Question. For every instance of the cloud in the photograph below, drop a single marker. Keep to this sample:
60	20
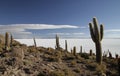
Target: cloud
112	30
21	29
79	33
35	26
59	33
112	33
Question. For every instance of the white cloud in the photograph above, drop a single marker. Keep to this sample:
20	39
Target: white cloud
21	29
79	33
112	30
112	33
36	26
60	33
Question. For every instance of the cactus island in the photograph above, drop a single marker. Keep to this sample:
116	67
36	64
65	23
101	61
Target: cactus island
18	59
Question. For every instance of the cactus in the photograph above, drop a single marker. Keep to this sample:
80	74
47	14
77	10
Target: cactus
80	49
119	66
116	56
74	51
66	49
91	52
97	36
71	51
57	43
11	40
6	41
110	55
34	42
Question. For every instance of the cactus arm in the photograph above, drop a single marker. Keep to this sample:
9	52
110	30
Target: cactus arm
97	33
101	31
92	32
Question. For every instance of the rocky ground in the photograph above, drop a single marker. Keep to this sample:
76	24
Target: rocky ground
23	60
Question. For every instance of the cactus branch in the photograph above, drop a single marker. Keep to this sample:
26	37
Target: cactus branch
92	32
101	31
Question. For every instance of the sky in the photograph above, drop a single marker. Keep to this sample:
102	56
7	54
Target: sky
67	18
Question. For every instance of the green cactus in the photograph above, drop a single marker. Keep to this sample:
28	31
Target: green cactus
6	41
34	42
91	52
71	51
116	56
11	40
66	48
80	49
57	43
119	66
97	36
110	55
74	51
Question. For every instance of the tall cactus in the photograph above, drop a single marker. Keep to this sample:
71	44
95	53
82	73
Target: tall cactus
80	49
11	40
57	43
74	51
91	53
119	66
97	36
34	42
6	41
66	47
71	51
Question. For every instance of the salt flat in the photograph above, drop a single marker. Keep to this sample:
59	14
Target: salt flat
112	44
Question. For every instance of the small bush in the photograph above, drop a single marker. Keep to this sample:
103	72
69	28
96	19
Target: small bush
17	52
92	66
68	72
77	70
57	73
41	74
101	68
73	63
31	49
85	55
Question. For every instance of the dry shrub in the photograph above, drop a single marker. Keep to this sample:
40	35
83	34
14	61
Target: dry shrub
31	49
17	52
73	63
96	67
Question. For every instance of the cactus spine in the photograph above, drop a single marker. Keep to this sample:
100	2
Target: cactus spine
97	36
6	41
57	43
66	48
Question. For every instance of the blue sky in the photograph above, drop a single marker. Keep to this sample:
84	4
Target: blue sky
68	18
